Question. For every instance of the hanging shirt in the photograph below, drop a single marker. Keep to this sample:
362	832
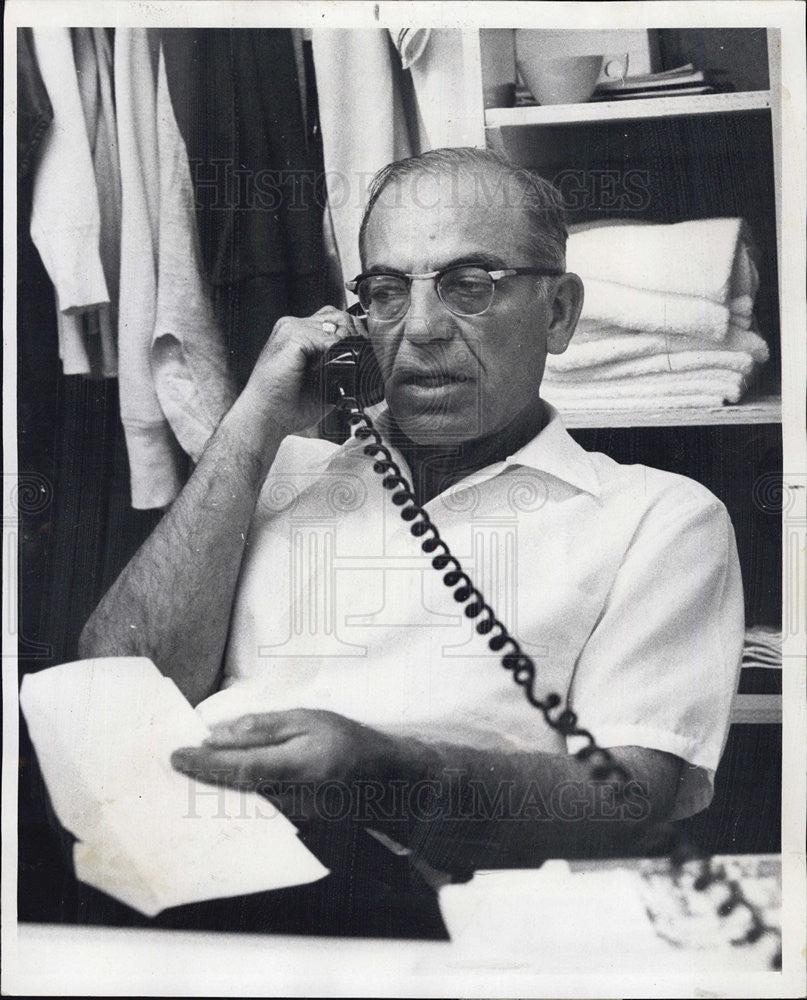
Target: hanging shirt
65	213
363	120
174	380
372	112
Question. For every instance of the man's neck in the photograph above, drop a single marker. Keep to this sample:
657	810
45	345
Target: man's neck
437	465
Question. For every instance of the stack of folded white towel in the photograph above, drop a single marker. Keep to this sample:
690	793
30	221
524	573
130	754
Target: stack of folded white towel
763	647
667	320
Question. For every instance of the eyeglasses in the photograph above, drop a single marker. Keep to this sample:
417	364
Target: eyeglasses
464	289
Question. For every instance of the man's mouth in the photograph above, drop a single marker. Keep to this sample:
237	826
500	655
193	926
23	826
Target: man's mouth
433	380
432	374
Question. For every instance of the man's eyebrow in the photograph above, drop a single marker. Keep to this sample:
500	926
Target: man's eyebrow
382	269
486	260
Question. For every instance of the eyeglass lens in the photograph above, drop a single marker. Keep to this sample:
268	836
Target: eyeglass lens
466	291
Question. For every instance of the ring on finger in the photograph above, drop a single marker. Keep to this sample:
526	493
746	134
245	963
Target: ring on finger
329	327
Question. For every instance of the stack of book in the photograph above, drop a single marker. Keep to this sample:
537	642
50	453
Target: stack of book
671	83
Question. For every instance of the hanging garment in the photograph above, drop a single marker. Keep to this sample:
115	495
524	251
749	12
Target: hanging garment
65	213
174	381
410	43
34	110
154	455
299	44
238	103
333	287
93	56
440	78
415	100
363	121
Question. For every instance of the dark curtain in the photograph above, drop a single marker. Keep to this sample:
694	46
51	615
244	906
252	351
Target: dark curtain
256	163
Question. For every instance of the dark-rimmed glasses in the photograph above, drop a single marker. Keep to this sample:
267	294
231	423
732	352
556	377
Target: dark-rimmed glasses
464	289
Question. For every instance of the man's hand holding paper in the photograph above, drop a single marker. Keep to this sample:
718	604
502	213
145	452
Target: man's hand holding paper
103	732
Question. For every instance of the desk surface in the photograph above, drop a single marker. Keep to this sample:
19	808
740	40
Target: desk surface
558	925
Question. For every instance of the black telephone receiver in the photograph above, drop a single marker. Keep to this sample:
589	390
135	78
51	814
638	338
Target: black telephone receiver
349	370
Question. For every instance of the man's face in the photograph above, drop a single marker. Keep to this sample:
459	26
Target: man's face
454	378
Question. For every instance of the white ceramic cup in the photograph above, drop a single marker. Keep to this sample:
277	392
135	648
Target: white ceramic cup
568	80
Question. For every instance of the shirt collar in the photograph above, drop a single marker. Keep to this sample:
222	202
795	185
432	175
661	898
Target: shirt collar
552	450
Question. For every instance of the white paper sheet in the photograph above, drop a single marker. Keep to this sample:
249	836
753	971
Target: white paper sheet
104	731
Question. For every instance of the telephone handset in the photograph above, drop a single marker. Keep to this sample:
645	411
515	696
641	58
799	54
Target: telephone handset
351	380
349	369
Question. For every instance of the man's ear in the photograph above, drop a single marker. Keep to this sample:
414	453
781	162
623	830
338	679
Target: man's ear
565	304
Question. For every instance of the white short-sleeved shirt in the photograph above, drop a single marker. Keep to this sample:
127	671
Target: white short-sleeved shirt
622	583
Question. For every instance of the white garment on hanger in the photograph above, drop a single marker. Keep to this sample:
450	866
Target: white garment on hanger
65	215
174	383
439	77
155	460
363	124
410	43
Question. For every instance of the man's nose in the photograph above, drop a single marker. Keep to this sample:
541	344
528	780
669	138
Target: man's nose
427	318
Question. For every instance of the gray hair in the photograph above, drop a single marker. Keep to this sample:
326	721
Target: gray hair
539	200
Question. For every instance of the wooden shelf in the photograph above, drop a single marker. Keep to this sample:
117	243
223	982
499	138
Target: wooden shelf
628	110
759	410
757	709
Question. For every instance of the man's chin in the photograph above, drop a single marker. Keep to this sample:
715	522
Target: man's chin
436	429
437	418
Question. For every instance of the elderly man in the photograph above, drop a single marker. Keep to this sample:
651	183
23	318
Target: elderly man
621	583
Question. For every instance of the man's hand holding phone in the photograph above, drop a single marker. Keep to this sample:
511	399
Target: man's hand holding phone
281	393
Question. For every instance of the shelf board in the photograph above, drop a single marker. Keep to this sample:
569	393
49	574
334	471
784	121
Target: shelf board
758	709
628	110
759	410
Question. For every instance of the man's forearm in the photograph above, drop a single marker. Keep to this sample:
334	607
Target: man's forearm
173	601
471	809
454	806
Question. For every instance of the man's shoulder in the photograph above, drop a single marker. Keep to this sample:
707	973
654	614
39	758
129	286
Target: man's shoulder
298	462
611	484
302	454
303	465
650	486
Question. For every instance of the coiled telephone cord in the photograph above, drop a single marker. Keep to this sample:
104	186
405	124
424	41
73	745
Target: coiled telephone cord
522	669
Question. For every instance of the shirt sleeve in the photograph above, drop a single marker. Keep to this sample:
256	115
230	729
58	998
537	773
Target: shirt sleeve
660	668
65	215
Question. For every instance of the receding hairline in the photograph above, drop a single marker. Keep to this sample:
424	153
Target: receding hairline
493	174
485	182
